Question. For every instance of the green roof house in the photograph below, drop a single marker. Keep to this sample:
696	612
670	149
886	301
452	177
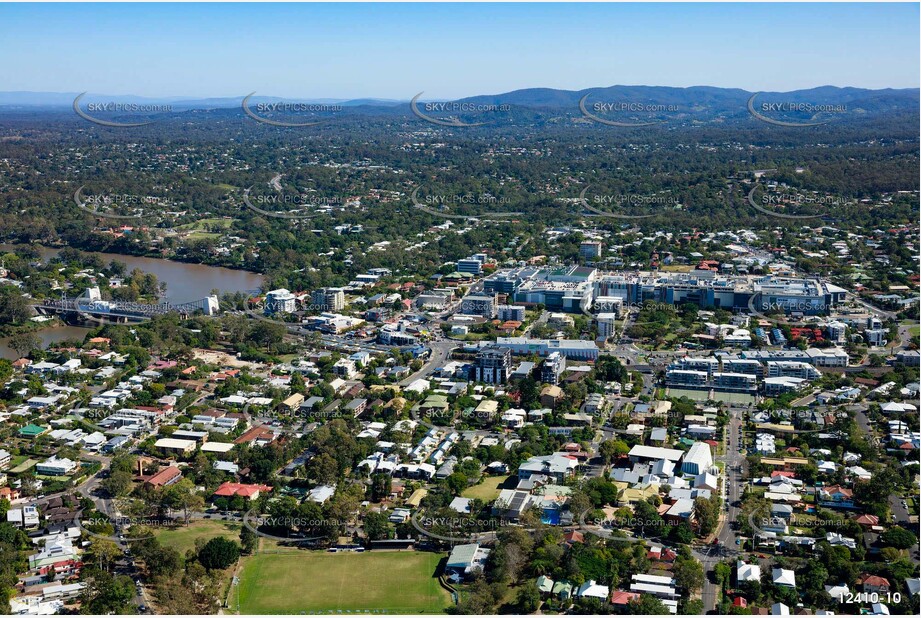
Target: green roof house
562	589
435	404
545	584
32	431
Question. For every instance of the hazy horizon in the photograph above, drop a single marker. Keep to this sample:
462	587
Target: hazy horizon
393	51
373	97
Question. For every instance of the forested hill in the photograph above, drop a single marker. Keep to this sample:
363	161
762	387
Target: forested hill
700	102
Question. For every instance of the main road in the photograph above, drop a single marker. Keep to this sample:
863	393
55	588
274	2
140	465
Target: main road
441	351
733	482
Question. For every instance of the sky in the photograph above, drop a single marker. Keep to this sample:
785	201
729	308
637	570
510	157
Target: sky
394	51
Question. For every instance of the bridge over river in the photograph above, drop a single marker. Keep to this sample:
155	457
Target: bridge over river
92	308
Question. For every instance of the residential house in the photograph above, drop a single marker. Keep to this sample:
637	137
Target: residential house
550	396
250	492
592	590
747	572
873	583
465	559
783	577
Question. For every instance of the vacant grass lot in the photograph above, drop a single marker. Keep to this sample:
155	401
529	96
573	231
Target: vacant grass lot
183	537
305	581
488	490
205	224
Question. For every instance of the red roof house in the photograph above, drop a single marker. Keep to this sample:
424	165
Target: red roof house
250	492
867	520
622	597
873	583
573	536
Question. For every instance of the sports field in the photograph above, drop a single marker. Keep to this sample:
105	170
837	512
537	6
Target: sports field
312	581
704	395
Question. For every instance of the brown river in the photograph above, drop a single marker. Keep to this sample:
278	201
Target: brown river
184	283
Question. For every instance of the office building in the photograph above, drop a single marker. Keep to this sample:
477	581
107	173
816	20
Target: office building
609	304
553	367
280	301
743	365
493	365
686	378
486	306
511	312
792	369
328	299
734	382
470	265
708	364
836	331
780	385
570	348
876	336
606	325
590	250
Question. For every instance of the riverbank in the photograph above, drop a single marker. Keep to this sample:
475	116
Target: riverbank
8	330
185	282
141	254
47	336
